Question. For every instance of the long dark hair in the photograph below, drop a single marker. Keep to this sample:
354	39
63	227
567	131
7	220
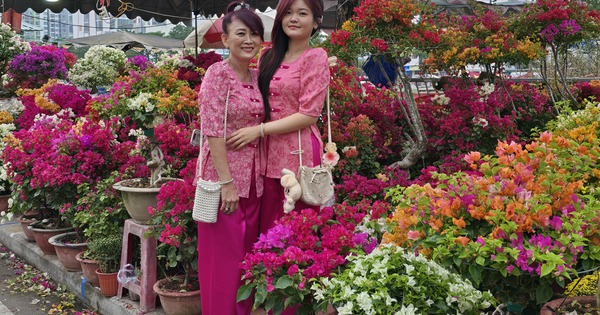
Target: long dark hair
241	11
272	58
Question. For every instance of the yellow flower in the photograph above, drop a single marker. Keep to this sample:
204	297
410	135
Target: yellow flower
6	117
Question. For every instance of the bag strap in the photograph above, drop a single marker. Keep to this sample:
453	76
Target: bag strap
300	151
224	129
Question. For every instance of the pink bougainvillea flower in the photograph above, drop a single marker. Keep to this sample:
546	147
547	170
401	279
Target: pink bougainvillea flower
472	157
413	235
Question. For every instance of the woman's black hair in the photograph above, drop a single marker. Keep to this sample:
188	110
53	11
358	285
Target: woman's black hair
241	11
272	58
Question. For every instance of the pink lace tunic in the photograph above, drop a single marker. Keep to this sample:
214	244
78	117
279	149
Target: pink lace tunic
297	87
245	108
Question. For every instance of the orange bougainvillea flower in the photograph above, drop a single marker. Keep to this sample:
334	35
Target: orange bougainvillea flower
460	223
464	241
472	157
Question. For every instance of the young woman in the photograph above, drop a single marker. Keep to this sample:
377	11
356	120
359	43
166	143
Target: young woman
293	82
232	84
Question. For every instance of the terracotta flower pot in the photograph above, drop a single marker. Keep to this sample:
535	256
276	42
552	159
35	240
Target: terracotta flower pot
109	283
25	222
4	202
551	307
138	199
88	269
66	252
178	303
43	235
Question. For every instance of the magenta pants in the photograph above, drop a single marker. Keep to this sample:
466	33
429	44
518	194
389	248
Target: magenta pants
221	248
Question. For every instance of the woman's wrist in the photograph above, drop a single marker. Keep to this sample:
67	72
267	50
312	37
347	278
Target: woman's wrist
226	182
262	129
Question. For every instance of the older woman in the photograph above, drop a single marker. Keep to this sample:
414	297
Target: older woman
230	99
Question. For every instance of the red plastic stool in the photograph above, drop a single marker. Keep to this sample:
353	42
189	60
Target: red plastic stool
148	263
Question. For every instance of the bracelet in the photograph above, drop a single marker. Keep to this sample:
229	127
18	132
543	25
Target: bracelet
226	182
262	130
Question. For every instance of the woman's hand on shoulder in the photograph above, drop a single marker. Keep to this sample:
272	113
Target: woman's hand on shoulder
242	137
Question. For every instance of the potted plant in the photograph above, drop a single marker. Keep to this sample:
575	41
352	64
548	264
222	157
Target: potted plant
581	297
522	216
67	246
12	45
34	68
303	245
391	280
167	155
107	251
100	66
176	231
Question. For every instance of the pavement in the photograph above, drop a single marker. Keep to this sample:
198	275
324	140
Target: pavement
12	236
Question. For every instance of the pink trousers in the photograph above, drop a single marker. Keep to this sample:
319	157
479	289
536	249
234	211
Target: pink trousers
221	248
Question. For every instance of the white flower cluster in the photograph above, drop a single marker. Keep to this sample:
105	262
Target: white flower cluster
99	66
11	44
170	61
12	105
142	102
391	281
486	89
441	99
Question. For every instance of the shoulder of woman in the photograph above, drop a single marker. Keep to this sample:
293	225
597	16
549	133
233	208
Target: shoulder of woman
318	53
217	67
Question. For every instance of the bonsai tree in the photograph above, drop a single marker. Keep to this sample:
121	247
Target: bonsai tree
107	251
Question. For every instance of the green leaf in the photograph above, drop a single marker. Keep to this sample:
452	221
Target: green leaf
261	294
480	260
547	268
284	282
475	272
543	293
244	292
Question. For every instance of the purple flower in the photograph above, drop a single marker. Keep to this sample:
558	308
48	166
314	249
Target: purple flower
569	27
550	32
556	223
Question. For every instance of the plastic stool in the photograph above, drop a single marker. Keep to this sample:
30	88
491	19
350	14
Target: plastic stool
148	262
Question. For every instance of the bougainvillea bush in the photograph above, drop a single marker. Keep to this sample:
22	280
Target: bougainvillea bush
34	68
51	98
50	159
392	281
100	66
466	117
146	98
192	68
522	223
301	246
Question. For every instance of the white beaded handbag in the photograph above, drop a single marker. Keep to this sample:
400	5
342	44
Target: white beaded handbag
208	194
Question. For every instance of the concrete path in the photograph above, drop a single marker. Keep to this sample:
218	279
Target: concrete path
11	236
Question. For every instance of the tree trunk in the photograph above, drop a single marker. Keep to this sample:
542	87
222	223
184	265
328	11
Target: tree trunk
345	10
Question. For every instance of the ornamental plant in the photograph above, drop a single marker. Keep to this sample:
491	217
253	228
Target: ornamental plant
175	228
49	160
524	217
301	246
557	25
49	99
484	38
34	68
390	280
11	45
147	98
99	210
192	68
583	286
466	117
100	66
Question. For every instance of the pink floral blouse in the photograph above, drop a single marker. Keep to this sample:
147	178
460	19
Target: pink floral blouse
298	86
245	108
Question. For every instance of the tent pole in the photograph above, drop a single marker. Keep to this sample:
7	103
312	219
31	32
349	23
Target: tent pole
196	12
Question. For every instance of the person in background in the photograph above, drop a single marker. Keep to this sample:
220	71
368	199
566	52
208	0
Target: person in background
223	245
293	82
